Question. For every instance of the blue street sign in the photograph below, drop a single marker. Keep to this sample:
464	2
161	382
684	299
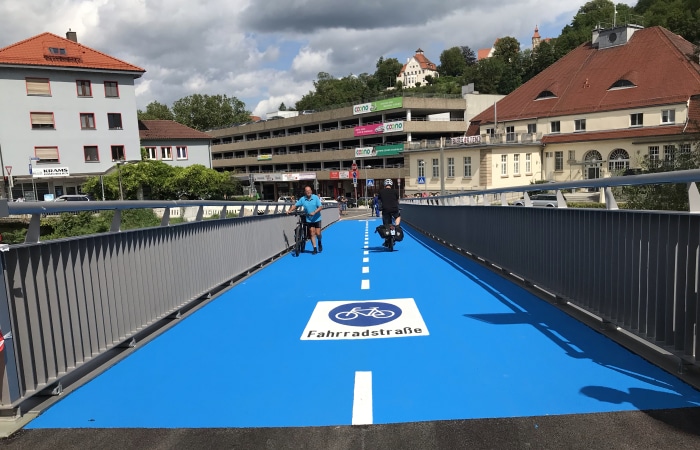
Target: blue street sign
421	180
34	158
370	182
354	175
30	169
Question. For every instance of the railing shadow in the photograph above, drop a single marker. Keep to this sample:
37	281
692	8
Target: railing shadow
527	309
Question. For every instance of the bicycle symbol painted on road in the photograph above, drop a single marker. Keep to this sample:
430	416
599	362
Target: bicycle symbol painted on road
364	314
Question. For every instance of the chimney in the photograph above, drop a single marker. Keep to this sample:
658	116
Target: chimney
72	36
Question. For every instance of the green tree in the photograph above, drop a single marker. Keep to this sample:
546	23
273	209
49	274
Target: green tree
329	91
205	112
469	55
386	73
589	16
196	182
452	63
282	107
669	197
156	111
507	49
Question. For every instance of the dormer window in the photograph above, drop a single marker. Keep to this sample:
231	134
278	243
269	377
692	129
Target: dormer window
545	94
622	84
57	51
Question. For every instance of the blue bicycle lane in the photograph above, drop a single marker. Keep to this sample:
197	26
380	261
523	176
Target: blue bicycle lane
462	343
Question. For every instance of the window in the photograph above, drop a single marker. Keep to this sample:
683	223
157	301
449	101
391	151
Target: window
467	166
166	153
87	121
84	88
516	164
654	153
636	120
580	125
451	167
57	51
38	86
545	94
510	134
504	165
436	168
669	153
42	121
668	116
115	121
528	163
531	128
46	154
685	148
622	84
151	153
618	161
558	161
118	153
572	155
555	126
421	168
91	154
491	132
181	152
111	89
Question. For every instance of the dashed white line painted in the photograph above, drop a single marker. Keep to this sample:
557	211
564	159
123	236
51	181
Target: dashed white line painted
365	284
365	260
362	399
366	252
365	269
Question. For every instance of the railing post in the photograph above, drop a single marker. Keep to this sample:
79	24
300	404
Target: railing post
693	198
223	213
165	220
9	375
34	230
200	214
117	221
610	202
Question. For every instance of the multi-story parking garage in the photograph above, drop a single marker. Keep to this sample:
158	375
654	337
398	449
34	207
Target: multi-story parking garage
282	155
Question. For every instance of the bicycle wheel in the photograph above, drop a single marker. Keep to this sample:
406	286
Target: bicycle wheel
391	243
383	314
298	240
346	315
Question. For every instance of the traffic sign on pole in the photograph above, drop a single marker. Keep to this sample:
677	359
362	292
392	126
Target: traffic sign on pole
370	182
421	180
354	167
9	170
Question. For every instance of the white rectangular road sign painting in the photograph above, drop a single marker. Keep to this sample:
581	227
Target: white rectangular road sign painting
365	319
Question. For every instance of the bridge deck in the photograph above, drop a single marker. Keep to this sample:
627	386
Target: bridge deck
462	343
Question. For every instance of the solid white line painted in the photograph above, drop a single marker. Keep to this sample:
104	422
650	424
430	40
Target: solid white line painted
365	284
366	252
365	260
362	399
365	270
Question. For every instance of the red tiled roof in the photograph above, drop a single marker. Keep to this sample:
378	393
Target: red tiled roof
35	52
613	134
537	33
482	53
582	78
168	130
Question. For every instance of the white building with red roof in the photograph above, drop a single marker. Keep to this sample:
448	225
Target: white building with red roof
174	143
629	94
70	107
415	70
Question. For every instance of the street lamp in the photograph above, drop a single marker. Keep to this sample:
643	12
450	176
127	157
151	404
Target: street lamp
31	172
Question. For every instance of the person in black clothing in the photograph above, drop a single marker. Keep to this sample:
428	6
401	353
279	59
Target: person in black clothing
389	201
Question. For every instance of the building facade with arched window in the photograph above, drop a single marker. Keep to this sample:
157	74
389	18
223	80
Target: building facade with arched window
600	111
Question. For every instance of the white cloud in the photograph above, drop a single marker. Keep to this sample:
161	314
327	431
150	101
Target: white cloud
270	52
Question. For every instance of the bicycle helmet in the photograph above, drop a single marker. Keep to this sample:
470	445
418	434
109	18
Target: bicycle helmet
388	182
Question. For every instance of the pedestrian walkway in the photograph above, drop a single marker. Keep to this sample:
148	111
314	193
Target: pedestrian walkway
358	335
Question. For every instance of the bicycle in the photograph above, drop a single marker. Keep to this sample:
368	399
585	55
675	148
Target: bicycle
374	312
300	233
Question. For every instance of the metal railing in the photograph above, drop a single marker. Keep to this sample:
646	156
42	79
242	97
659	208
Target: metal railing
66	303
636	270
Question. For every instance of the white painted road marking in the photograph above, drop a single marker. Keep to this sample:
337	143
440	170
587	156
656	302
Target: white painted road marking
365	284
365	269
366	252
365	260
362	400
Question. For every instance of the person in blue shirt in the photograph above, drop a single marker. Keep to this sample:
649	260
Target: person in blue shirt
375	203
313	206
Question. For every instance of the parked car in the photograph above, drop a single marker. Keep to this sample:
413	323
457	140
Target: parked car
546	200
73	198
329	200
284	199
352	203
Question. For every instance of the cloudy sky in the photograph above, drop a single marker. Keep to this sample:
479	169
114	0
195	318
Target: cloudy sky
268	52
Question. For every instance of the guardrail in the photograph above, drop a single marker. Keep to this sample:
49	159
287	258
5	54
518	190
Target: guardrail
68	305
636	270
